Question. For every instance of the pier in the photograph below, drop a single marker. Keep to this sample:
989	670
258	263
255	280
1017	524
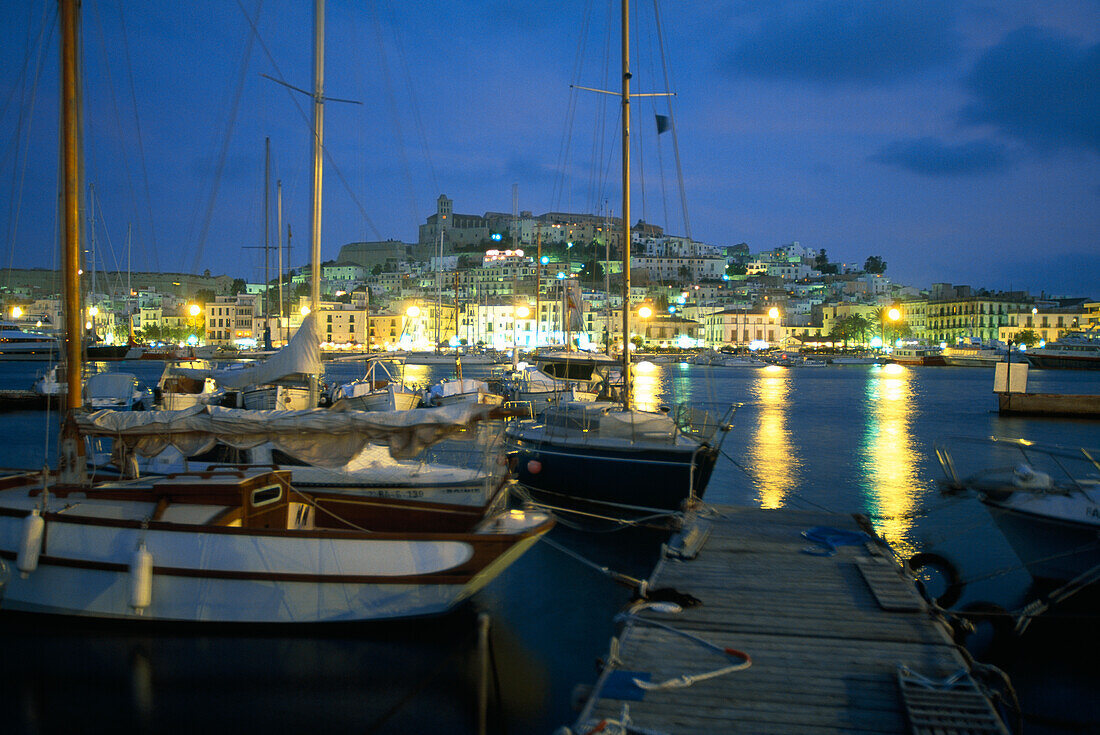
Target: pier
788	635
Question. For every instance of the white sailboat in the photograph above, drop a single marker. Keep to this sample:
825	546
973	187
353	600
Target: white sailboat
238	545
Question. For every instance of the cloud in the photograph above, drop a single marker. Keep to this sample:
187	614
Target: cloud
849	41
932	157
1040	88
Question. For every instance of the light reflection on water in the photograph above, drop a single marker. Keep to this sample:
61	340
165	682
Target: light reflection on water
775	467
891	466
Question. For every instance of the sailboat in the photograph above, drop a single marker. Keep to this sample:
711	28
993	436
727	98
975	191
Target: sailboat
601	453
235	545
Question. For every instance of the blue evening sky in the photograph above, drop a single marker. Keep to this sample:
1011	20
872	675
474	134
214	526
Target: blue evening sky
957	140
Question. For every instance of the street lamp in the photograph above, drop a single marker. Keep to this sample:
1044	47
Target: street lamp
16	312
194	310
893	315
304	311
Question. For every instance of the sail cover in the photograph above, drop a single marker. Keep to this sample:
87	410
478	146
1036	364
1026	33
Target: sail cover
300	356
321	437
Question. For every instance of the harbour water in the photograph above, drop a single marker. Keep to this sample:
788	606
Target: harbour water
843	438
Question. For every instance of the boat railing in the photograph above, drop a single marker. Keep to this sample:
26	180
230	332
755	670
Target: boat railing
971	463
702	424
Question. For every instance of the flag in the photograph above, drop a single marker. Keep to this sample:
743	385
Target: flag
663	123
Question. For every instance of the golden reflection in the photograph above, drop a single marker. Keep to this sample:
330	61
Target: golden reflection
646	386
774	464
889	459
414	374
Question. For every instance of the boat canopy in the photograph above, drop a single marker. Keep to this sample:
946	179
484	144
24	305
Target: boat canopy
320	437
110	386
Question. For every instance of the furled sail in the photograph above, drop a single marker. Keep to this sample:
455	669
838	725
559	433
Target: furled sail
300	356
320	437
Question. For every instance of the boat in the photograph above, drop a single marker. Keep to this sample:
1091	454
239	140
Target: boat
1072	351
610	454
50	383
281	381
1045	499
973	355
468	469
243	547
917	355
186	384
18	342
377	390
559	375
235	545
119	391
461	390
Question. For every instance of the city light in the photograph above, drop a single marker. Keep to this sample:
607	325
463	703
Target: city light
304	311
773	313
16	312
523	312
93	311
645	312
413	311
194	310
894	315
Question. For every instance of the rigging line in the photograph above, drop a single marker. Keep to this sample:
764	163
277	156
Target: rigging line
231	120
564	147
33	50
280	79
657	139
118	128
391	104
672	119
417	118
110	244
151	222
26	115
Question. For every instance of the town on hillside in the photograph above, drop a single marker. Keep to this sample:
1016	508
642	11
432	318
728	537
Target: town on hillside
504	280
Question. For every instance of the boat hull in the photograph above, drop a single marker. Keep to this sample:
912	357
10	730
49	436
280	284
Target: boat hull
1052	549
1063	362
239	577
640	476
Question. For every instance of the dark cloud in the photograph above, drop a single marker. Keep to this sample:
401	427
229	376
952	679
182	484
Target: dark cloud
931	157
1040	88
849	40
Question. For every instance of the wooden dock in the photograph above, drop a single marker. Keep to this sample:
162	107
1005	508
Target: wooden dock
832	640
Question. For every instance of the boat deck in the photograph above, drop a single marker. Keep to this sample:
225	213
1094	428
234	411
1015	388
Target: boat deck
826	636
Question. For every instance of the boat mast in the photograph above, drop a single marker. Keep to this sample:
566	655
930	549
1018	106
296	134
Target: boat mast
71	448
439	289
267	232
318	171
626	202
279	244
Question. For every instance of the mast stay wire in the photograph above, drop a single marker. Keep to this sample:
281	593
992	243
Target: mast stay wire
278	78
23	124
230	122
565	147
151	222
391	105
671	118
122	154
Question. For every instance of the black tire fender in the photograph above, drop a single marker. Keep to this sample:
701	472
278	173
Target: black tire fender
946	569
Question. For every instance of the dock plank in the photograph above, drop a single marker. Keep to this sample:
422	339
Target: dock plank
826	639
